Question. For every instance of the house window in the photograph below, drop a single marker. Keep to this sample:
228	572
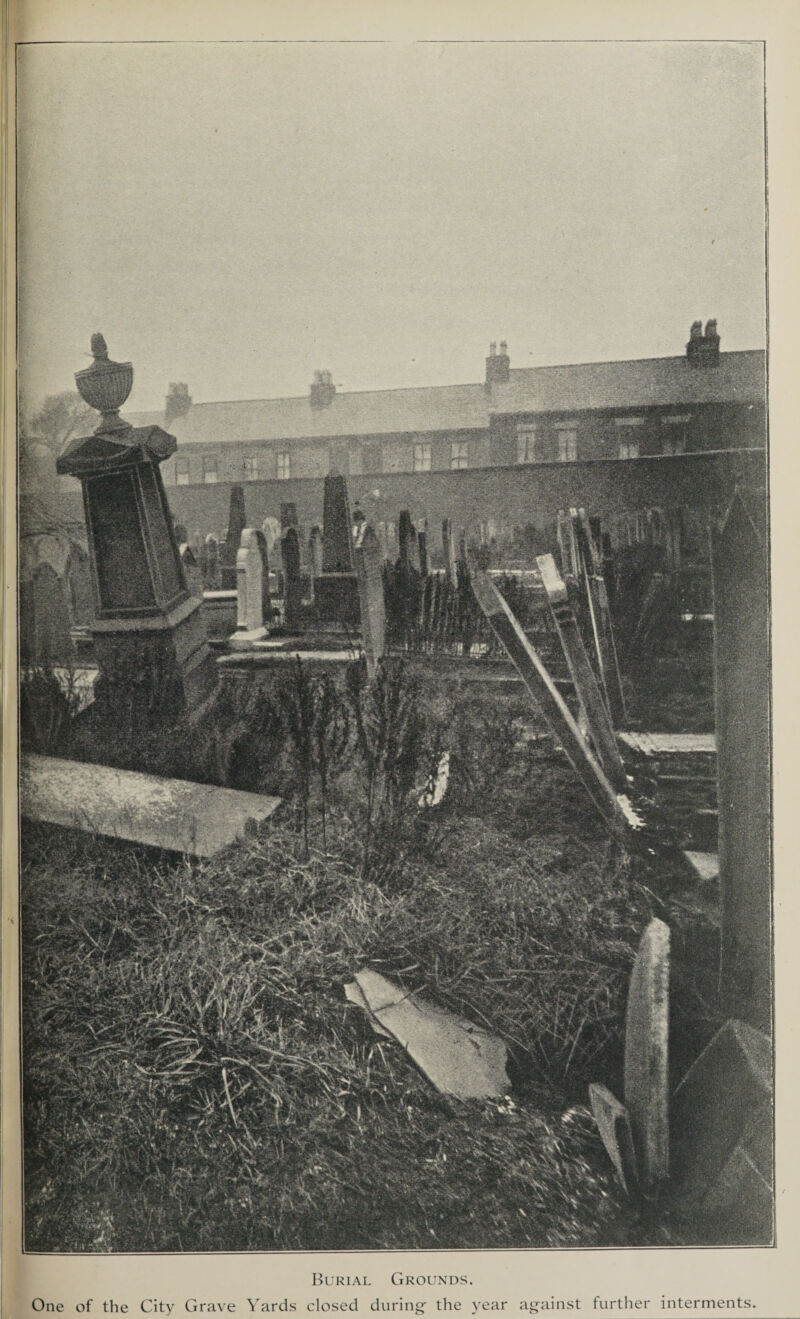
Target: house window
567	446
210	469
673	435
459	455
251	467
526	444
181	471
628	443
422	457
284	466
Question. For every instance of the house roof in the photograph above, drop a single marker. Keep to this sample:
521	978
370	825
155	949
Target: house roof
371	412
664	381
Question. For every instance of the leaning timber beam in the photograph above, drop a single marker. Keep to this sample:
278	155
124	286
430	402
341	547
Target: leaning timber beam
615	810
595	710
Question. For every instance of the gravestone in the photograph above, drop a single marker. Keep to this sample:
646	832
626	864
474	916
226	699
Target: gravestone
249	594
145	619
336	589
293	582
315	553
46	637
409	547
79	588
721	1125
337	544
449	549
369	571
742	709
288	516
271	528
646	1054
266	601
422	550
191	570
614	1126
209	564
229	548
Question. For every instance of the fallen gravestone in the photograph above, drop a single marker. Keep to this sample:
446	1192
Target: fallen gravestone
613	1123
646	1052
459	1058
171	813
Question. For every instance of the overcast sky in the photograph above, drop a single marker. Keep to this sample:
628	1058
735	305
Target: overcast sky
237	216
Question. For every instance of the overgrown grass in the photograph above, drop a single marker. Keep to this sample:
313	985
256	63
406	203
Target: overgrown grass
195	1079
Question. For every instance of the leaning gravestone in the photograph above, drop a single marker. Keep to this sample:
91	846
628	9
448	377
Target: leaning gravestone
369	571
646	1054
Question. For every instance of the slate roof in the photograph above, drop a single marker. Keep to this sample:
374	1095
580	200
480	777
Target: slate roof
371	412
664	381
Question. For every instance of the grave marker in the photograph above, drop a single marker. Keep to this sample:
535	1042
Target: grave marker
448	545
336	589
293	584
600	615
144	613
249	580
742	708
646	1053
369	571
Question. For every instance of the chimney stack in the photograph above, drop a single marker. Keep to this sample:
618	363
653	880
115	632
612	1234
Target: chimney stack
497	364
702	350
178	402
323	390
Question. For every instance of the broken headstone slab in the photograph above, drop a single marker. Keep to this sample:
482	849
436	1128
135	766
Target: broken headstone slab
721	1123
458	1058
613	1123
646	1041
436	787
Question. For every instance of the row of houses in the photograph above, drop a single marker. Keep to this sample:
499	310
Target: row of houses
700	400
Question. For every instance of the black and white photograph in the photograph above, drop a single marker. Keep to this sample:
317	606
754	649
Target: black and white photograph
394	672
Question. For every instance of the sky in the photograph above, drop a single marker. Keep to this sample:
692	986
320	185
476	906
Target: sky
239	215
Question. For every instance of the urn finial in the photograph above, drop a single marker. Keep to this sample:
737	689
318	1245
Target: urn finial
105	385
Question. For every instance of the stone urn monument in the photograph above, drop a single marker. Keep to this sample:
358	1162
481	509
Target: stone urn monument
148	630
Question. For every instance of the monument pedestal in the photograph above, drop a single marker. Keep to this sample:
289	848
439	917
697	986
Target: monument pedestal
148	631
336	599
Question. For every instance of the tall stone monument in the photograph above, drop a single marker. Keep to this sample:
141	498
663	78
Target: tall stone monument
145	618
336	589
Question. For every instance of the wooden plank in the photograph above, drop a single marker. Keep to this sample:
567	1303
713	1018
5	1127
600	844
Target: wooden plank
661	744
593	705
543	690
195	818
600	613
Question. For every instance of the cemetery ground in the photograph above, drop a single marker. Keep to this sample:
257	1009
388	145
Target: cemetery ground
194	1076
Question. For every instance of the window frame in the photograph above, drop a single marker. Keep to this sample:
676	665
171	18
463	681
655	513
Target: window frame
456	463
422	457
527	444
210	469
283	465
